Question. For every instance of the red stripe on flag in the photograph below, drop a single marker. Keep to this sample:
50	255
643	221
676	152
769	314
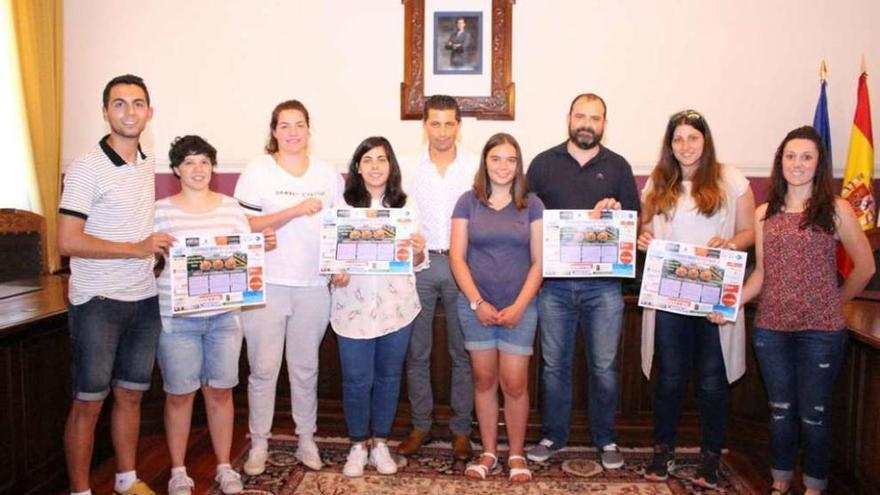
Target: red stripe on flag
862	120
844	262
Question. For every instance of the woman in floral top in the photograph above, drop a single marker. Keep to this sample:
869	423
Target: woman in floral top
372	316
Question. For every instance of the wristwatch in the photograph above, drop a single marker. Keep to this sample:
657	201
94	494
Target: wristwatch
476	304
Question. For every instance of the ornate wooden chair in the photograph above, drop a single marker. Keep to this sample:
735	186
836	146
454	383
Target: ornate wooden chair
22	244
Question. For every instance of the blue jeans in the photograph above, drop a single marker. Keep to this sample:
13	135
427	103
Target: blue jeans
597	305
113	344
371	373
799	370
682	343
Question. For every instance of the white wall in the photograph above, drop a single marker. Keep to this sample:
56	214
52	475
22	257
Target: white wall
217	68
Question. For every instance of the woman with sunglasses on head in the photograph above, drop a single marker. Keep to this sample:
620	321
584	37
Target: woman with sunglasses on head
199	350
286	189
800	337
691	197
373	315
495	256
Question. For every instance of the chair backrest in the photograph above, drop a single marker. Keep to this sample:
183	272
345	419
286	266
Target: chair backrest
22	244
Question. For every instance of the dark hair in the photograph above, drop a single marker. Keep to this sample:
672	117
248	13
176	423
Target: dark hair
272	145
819	209
589	97
519	188
356	193
125	79
185	146
441	102
667	176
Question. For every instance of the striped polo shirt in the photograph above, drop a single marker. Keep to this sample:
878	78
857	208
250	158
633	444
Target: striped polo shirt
115	199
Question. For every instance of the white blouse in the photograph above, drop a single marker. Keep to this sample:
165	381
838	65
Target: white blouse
371	306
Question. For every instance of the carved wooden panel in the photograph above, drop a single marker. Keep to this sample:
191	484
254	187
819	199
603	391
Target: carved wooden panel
499	105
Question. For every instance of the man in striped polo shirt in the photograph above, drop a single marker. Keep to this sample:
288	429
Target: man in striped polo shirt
106	227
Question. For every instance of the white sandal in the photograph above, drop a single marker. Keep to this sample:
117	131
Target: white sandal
518	471
482	470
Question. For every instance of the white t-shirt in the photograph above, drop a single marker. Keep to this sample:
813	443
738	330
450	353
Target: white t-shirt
227	218
265	188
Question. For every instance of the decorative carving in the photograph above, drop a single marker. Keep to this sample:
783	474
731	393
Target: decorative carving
498	106
22	235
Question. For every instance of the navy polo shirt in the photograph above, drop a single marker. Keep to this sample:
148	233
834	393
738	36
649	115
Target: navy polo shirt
562	184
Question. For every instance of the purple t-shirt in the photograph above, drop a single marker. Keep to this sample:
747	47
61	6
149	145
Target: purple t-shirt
498	254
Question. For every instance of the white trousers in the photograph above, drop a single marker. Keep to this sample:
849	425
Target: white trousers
293	322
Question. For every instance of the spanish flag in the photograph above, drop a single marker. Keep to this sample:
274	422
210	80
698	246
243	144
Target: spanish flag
857	185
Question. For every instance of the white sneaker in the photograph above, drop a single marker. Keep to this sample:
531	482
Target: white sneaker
256	461
381	458
229	481
307	453
357	459
180	484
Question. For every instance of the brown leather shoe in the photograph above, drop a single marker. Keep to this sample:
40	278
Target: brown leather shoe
413	442
461	447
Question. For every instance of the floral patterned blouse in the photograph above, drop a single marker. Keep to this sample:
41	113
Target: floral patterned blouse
371	306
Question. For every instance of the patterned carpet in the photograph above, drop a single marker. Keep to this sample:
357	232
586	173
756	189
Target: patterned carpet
433	472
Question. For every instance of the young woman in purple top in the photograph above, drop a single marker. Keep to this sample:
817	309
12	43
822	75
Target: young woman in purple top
800	336
495	256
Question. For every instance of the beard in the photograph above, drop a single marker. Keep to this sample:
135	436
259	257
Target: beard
585	138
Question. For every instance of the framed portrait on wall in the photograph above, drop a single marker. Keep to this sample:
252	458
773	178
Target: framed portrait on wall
458	43
460	48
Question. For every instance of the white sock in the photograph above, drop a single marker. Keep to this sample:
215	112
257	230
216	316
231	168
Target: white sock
223	467
124	481
178	470
87	492
259	443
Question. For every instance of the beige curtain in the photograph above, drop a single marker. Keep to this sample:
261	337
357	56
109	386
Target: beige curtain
38	30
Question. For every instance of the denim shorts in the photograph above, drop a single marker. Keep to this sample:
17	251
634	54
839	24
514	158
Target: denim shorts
113	343
518	340
200	350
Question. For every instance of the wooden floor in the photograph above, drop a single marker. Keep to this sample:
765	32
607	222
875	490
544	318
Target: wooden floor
154	465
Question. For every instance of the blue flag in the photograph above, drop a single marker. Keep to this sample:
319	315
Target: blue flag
820	120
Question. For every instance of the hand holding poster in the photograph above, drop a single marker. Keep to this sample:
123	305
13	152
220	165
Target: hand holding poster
367	240
578	245
692	280
217	272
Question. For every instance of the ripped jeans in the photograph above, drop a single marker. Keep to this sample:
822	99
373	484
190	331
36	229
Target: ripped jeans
800	369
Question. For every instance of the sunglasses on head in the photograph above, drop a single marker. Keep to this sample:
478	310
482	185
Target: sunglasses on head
687	115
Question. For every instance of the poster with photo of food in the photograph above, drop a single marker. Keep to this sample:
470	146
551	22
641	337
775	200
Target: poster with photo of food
584	243
692	280
217	272
367	241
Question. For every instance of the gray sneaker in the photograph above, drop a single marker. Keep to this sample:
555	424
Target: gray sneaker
611	457
542	451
